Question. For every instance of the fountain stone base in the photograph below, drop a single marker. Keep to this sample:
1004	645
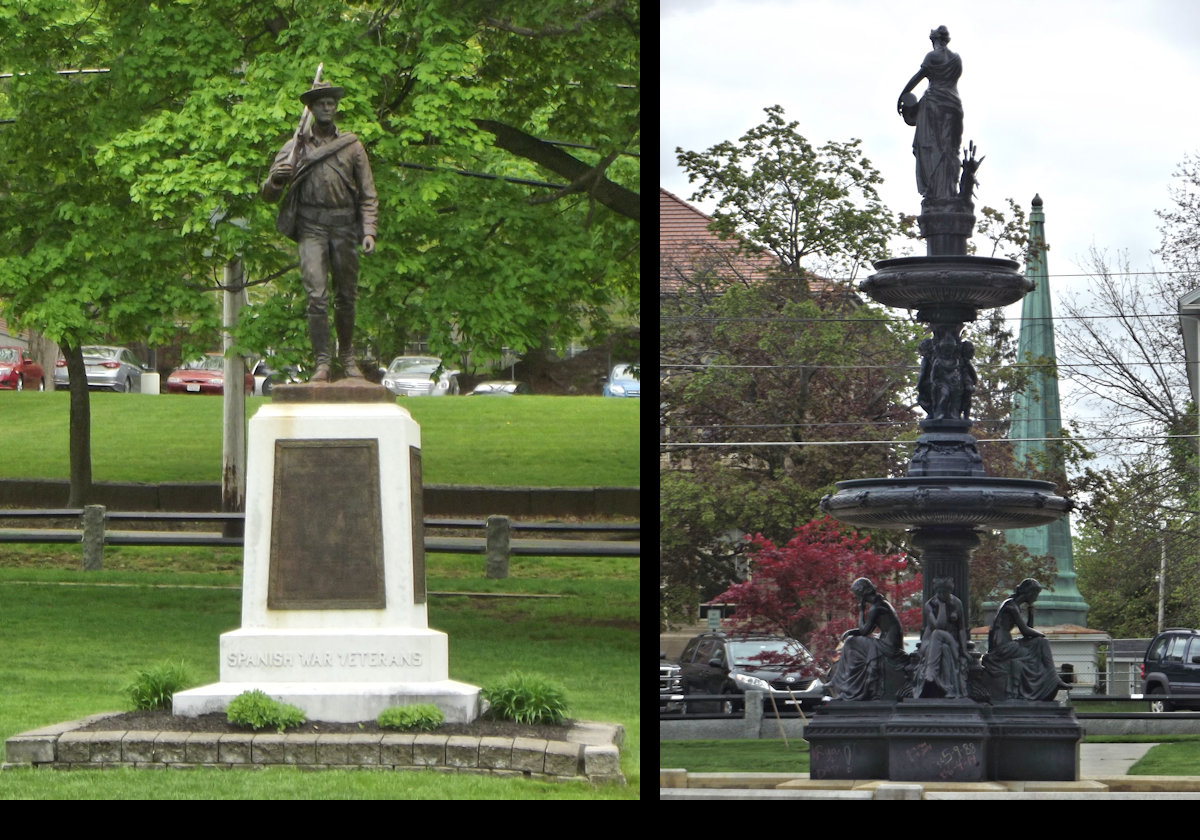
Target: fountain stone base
925	740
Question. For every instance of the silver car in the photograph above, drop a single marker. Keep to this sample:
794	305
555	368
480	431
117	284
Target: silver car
111	368
414	376
623	381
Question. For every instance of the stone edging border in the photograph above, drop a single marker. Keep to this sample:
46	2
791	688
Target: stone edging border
590	752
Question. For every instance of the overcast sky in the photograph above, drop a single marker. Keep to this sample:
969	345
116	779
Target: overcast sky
1091	104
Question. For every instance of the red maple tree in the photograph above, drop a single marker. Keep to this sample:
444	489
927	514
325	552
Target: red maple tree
802	589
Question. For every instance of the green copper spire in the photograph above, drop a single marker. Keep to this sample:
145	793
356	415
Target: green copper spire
1036	416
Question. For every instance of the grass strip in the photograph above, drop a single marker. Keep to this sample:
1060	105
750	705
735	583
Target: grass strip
525	441
70	650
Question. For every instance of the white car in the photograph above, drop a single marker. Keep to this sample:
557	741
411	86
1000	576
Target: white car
623	381
420	376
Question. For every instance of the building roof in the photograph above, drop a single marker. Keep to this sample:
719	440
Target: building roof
687	248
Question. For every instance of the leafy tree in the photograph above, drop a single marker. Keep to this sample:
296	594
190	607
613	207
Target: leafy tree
805	205
802	589
1125	534
128	189
1008	235
788	358
756	365
435	90
1122	341
75	245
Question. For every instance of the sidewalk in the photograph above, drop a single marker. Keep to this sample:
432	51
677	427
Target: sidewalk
1100	760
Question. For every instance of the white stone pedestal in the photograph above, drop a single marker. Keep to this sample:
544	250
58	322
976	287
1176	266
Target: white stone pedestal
333	599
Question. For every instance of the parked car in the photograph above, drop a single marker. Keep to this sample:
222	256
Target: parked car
420	376
623	381
719	663
19	371
670	685
1171	671
500	389
266	378
205	375
112	368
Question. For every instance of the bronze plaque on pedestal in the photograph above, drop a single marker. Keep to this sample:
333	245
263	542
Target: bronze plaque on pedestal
326	526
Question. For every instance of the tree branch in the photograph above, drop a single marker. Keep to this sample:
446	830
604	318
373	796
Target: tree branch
551	31
611	195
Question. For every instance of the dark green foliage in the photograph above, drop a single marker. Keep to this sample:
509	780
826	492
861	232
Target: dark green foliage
1130	529
763	364
153	687
258	711
796	201
526	698
422	717
126	191
136	185
794	357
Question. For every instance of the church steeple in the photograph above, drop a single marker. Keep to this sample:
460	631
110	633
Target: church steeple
1037	417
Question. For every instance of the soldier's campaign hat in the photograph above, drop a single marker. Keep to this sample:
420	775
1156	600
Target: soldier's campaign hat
321	90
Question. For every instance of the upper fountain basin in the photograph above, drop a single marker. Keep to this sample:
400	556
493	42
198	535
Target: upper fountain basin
946	287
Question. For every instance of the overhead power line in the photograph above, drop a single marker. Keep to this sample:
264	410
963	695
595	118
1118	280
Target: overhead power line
735	444
788	320
978	366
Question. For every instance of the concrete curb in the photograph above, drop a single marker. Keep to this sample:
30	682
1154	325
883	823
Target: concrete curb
682	785
589	751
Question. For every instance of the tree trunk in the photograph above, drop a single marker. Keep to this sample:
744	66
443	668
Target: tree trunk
45	353
81	428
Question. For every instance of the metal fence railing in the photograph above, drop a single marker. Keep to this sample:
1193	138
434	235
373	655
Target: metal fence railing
91	528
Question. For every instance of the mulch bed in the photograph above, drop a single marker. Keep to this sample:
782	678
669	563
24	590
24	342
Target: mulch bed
162	720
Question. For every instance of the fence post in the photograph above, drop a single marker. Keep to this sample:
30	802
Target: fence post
93	538
752	717
497	546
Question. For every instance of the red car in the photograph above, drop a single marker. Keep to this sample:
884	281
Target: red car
18	371
203	376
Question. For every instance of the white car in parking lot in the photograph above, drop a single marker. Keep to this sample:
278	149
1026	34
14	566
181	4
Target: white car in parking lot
420	376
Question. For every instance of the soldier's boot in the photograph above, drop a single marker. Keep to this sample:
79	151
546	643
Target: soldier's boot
343	319
318	334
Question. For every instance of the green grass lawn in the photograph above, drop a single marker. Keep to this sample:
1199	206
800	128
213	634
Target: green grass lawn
523	441
74	639
767	755
1179	756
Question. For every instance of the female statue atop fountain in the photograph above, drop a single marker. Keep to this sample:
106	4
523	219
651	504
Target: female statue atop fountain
865	661
939	119
942	666
1026	664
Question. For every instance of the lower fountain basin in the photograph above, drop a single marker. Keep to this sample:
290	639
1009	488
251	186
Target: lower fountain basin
956	501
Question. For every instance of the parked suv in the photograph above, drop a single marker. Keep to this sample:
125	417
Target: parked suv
670	688
1171	671
720	663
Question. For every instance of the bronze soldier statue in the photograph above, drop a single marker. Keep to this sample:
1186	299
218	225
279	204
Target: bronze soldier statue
330	210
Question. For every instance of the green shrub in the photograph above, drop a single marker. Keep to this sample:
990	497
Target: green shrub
258	711
153	687
422	717
526	698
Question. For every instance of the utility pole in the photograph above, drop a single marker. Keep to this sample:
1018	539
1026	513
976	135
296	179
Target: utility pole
1162	576
233	432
